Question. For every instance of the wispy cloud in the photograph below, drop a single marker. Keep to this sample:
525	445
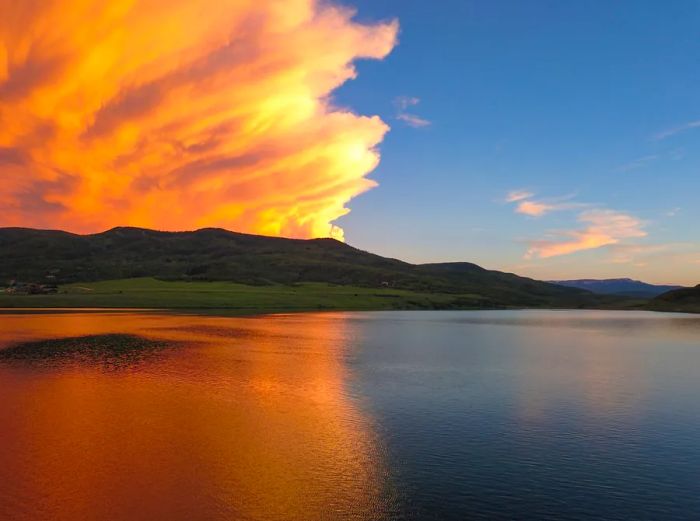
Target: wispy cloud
630	253
402	104
677	154
637	163
664	134
413	120
600	228
527	205
674	257
518	195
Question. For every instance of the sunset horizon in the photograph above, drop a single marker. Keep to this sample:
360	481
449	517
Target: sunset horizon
248	123
330	260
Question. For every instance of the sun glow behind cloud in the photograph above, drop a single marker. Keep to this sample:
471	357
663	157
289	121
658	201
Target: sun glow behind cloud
176	114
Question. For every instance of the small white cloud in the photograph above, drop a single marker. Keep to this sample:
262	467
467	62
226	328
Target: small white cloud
413	120
402	104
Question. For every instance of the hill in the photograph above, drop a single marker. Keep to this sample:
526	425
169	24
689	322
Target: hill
623	287
684	300
220	255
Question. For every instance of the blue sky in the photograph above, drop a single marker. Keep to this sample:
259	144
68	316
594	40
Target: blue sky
587	110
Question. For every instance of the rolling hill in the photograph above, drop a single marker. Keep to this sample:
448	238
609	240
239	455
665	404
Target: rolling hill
220	255
685	300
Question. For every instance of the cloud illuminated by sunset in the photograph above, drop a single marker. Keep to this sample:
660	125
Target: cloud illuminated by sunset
527	205
176	114
534	208
518	195
601	228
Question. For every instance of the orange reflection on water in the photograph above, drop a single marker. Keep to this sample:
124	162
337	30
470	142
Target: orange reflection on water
242	419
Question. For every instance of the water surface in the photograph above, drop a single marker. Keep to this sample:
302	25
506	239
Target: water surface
391	415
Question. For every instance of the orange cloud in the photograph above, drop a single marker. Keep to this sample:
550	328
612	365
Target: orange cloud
534	208
527	206
603	228
176	114
540	208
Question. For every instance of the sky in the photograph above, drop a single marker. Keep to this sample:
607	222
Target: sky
552	139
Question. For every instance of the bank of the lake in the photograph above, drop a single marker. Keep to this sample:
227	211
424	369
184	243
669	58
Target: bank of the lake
150	293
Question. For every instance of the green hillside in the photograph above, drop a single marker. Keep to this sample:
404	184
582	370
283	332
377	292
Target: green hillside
263	262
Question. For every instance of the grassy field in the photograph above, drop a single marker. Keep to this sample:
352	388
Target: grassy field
152	293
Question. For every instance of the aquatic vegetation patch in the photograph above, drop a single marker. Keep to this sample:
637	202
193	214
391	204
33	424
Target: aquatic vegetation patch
87	348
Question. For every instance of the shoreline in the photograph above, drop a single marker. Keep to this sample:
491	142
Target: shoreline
229	298
256	312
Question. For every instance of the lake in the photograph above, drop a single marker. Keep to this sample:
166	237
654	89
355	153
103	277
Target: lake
561	415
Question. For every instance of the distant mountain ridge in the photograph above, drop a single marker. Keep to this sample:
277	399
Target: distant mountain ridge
627	287
221	255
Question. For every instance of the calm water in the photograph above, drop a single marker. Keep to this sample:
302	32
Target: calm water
369	416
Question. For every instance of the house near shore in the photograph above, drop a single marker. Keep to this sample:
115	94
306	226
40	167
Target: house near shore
30	288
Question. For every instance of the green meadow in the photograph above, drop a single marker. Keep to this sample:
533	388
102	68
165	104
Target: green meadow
153	293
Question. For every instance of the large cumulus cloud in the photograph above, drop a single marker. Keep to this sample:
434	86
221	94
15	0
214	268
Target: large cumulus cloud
176	114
